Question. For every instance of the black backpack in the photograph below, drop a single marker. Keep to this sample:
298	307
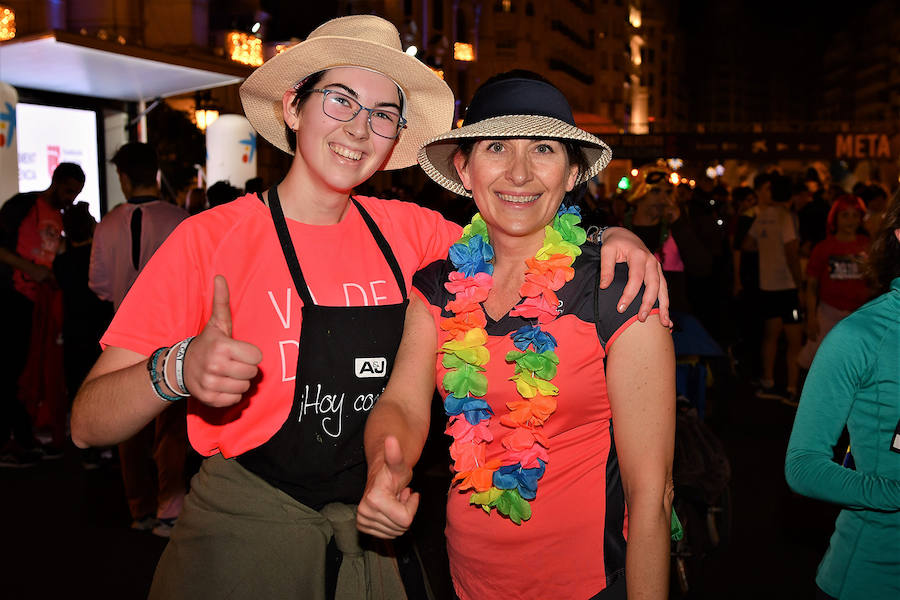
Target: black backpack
701	470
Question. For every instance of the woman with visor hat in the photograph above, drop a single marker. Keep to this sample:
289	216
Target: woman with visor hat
277	409
537	368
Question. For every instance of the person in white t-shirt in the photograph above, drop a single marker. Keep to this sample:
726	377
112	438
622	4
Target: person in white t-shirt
774	235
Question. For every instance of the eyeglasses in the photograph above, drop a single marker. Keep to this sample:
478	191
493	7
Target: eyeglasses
655	177
384	122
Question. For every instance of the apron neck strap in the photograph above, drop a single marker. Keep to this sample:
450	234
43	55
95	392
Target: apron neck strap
290	254
383	246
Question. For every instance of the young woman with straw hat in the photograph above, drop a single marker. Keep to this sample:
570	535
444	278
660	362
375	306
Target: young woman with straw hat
279	409
537	369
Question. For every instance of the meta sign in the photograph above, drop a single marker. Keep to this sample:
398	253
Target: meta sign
862	145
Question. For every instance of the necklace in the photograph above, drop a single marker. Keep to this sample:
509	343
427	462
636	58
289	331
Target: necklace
508	483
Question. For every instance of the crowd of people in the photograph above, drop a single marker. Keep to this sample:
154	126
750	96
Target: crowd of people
299	331
64	276
785	251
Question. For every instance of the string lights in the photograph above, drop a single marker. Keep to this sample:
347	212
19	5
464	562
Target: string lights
244	48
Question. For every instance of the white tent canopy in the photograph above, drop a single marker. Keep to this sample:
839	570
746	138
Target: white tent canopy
73	64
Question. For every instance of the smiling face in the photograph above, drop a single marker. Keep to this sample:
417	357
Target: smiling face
518	184
336	156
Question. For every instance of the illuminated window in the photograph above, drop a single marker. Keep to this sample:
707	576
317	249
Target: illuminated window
636	47
634	17
7	23
463	52
244	48
507	5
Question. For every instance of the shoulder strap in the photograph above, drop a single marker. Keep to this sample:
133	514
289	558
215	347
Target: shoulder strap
597	304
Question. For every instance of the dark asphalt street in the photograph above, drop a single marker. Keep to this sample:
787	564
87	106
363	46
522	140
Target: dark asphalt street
66	530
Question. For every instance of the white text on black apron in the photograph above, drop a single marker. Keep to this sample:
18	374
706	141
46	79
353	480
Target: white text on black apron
330	406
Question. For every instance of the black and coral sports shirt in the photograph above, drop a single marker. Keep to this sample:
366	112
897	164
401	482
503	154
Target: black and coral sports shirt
574	544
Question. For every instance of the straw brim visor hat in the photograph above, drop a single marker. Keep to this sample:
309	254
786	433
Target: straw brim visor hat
512	108
364	41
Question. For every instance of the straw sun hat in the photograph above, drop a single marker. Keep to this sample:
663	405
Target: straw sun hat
363	41
513	107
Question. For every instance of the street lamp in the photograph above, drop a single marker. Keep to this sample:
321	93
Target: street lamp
204	111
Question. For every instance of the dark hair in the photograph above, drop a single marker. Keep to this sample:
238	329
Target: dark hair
139	162
254	185
872	192
812	175
798	187
781	188
741	193
301	93
221	192
761	180
78	223
883	265
67	170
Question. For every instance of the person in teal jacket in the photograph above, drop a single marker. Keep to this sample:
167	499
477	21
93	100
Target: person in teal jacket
854	381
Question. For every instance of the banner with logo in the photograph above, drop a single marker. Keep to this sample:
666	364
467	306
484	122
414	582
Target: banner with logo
49	135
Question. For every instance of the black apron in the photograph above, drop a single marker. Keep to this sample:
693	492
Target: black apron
345	358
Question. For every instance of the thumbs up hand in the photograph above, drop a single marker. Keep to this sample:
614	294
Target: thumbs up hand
217	368
388	506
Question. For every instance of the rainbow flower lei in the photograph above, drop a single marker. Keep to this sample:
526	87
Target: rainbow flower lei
510	482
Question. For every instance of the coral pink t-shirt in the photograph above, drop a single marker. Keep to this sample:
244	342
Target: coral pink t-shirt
342	264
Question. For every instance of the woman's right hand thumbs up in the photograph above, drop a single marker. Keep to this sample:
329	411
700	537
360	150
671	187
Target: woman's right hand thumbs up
217	368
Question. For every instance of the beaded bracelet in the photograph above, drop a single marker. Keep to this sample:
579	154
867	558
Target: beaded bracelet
155	378
165	371
179	363
600	232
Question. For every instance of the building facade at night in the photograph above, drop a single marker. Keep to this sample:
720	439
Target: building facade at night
616	61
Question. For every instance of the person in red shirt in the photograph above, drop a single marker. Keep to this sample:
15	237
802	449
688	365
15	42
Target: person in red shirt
31	230
280	315
835	285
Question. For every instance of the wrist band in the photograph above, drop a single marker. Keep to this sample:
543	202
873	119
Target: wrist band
600	233
179	364
155	378
165	372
